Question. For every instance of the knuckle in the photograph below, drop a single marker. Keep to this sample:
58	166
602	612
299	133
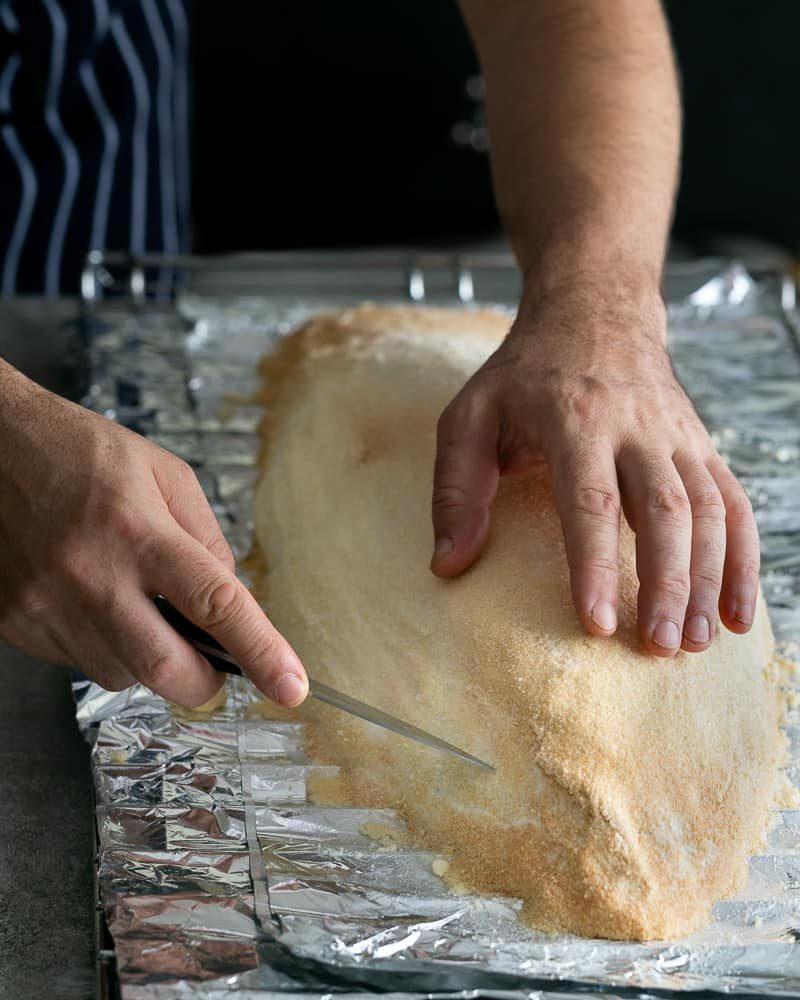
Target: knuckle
597	502
467	407
115	515
188	481
216	601
668	500
73	563
706	580
446	418
172	474
739	508
30	600
450	419
448	439
450	496
183	471
115	681
707	504
586	399
673	587
175	477
219	547
159	672
748	568
596	565
709	551
260	650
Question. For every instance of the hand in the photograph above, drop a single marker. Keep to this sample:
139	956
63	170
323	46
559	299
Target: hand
94	521
583	381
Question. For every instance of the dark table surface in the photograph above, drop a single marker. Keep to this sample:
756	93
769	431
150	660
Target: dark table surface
47	938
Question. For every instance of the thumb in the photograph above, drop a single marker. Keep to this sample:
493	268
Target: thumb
464	485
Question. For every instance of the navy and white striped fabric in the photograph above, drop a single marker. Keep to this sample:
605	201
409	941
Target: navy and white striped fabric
94	146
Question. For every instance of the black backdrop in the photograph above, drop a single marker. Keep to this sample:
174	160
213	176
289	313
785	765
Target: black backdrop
319	123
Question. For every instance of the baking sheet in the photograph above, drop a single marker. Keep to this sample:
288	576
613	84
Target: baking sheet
216	875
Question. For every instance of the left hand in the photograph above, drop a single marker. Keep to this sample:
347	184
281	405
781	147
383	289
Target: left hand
583	381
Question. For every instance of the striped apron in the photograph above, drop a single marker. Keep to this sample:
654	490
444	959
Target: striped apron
94	145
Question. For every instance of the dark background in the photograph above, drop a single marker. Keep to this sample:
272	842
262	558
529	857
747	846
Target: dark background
321	124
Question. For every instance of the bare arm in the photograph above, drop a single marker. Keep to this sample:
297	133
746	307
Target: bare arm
584	118
584	126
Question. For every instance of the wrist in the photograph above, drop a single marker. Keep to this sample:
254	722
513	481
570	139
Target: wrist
615	299
593	259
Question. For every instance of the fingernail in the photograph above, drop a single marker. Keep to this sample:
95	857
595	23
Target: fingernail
666	635
697	628
744	613
290	690
604	616
443	547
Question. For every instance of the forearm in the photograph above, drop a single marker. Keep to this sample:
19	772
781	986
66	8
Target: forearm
14	388
7	372
584	120
10	382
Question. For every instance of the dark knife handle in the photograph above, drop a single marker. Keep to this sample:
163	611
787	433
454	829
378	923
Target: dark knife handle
195	635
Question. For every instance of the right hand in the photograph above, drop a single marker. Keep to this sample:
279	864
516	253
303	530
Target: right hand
584	382
94	521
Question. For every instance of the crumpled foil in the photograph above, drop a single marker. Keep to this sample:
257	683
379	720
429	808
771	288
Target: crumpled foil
217	876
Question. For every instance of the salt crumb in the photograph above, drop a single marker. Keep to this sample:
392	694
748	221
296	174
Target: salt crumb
383	835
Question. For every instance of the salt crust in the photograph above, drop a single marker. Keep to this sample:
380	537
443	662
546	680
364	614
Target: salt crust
629	790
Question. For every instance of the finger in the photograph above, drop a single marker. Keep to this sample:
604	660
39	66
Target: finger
206	591
127	640
661	517
189	506
111	678
464	485
737	605
707	553
95	657
110	675
50	641
588	502
136	639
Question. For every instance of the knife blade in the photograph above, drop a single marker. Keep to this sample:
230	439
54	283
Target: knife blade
221	660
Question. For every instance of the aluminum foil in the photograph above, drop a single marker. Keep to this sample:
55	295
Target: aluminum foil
220	879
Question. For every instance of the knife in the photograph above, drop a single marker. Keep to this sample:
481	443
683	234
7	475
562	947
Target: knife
221	660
